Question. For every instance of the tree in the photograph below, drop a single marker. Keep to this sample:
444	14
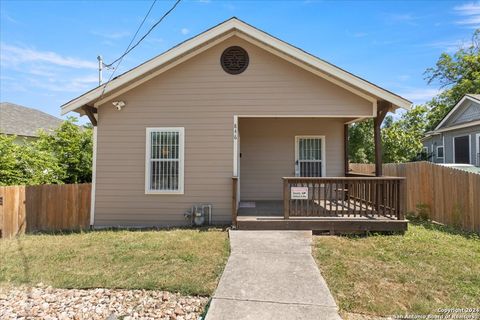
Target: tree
23	164
360	138
72	147
62	156
457	74
400	138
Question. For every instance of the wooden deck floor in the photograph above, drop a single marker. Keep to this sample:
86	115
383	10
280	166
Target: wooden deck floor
268	215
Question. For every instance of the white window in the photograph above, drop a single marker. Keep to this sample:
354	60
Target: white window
440	152
164	160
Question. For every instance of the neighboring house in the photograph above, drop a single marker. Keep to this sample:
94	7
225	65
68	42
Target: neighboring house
456	139
232	101
25	123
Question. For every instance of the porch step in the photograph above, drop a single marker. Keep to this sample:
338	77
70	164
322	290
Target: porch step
335	225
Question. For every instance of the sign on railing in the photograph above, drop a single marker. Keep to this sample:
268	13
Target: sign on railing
299	193
344	197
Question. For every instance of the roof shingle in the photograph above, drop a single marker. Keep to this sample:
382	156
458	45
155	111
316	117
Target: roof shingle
23	121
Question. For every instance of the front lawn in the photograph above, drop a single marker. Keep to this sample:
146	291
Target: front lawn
429	267
185	261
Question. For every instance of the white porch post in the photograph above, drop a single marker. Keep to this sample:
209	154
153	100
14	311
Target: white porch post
235	146
94	174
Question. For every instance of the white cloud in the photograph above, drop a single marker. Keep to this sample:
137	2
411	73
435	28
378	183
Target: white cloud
360	34
86	79
470	13
185	31
420	95
406	18
6	17
111	35
403	77
447	46
56	84
14	55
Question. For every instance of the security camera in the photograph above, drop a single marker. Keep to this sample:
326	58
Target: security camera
118	105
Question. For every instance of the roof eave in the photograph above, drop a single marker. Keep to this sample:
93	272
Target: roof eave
259	35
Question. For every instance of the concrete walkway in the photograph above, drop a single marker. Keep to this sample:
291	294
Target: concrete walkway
271	275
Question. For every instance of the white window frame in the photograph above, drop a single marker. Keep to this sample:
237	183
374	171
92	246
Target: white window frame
477	151
181	160
323	143
436	152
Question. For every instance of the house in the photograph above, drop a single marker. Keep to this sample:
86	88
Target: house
456	139
25	123
244	124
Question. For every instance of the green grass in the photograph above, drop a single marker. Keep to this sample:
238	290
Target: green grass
429	267
186	261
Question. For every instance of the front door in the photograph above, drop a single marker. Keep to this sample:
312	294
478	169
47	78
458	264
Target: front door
309	156
462	149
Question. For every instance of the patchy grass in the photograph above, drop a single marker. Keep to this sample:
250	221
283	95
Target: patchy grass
186	261
429	267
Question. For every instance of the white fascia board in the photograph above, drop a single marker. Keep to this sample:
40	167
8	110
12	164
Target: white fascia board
453	110
147	66
323	65
232	25
459	126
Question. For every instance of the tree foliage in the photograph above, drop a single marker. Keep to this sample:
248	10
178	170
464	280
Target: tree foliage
400	138
457	74
62	156
361	147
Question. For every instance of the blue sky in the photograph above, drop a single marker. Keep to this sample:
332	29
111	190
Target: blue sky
48	50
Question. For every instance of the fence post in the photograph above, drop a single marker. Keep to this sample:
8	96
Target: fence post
286	199
402	199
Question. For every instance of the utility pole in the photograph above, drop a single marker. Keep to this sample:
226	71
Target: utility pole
100	69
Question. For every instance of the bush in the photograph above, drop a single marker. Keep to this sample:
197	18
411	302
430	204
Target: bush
63	156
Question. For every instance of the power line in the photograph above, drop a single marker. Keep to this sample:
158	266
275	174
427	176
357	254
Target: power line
130	47
146	34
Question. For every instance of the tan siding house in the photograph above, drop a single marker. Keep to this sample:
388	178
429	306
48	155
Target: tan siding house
232	101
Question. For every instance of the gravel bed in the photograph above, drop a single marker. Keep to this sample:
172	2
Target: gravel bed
47	303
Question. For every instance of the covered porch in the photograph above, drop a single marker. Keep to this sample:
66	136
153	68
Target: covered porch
335	205
293	173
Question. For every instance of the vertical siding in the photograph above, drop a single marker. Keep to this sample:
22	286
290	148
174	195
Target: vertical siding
199	96
268	152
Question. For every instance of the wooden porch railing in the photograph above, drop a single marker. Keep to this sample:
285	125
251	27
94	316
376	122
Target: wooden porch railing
234	200
344	197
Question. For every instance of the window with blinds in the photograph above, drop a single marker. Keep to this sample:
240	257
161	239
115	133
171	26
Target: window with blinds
164	166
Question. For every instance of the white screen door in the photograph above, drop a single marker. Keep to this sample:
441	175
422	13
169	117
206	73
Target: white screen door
309	156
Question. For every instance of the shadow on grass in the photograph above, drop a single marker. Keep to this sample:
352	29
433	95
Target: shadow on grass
130	229
429	225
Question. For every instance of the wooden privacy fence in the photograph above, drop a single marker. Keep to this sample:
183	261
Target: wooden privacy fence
44	208
447	195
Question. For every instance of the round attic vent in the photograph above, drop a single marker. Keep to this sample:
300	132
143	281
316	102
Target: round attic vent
234	60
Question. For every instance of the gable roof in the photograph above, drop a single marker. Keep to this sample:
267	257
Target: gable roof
23	121
475	98
205	40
